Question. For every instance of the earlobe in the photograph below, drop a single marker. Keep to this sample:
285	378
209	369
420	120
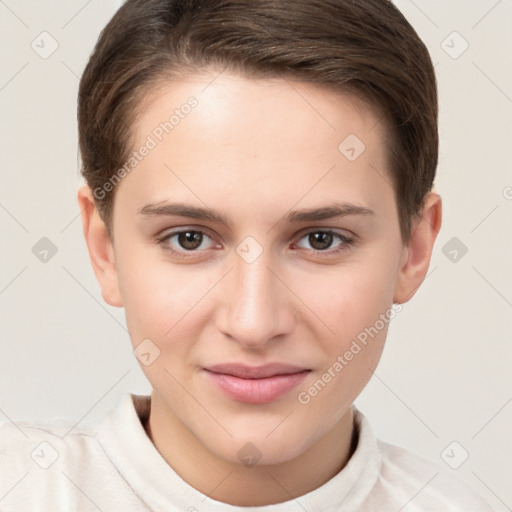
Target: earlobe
101	250
416	256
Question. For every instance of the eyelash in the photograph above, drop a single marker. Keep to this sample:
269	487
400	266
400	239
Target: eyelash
346	244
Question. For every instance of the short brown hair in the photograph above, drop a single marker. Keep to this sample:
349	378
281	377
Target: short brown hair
364	47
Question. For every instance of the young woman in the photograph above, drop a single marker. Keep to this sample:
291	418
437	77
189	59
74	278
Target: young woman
259	201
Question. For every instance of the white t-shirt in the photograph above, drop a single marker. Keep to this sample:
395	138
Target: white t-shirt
111	465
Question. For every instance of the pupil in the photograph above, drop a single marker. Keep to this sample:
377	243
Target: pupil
190	239
325	240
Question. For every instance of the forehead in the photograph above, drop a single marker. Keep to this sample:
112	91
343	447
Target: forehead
228	100
271	139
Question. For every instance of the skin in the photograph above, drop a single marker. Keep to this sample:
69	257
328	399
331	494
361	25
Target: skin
254	151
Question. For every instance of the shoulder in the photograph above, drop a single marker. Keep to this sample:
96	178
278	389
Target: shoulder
423	485
24	441
403	480
41	463
30	442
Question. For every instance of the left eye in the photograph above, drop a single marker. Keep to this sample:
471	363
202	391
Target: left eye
322	240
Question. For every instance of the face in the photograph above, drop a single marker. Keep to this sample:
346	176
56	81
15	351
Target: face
266	279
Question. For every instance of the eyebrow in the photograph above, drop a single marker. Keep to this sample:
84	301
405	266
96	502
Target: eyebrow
334	210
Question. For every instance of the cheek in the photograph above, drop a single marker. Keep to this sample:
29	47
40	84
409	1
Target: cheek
355	302
348	298
157	295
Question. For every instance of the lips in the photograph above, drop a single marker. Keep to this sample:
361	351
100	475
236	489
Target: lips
256	384
255	372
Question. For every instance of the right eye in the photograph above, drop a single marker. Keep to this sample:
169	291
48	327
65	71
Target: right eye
187	241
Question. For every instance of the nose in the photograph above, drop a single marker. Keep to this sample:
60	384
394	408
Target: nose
256	306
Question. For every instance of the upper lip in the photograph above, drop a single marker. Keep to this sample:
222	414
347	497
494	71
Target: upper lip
255	372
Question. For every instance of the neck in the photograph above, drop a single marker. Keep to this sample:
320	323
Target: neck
238	485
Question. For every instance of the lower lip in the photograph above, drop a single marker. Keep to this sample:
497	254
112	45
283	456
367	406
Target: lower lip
257	391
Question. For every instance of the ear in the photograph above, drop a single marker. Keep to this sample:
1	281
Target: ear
416	257
101	250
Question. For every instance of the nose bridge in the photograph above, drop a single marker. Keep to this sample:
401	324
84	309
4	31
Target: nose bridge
254	290
255	307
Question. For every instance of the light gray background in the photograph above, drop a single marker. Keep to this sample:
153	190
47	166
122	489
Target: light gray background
445	374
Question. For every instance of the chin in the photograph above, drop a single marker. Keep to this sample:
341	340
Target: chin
259	448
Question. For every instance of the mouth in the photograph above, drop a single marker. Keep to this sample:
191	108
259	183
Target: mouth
256	384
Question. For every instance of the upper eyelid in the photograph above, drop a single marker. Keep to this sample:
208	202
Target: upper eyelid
335	231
